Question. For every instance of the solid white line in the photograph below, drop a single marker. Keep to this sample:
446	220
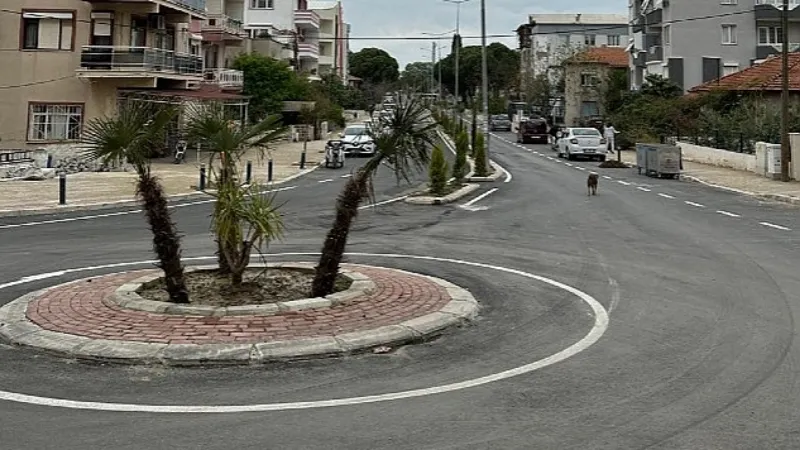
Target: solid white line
502	169
601	321
625	183
385	202
777	227
694	204
325	181
642	189
480	197
665	195
729	214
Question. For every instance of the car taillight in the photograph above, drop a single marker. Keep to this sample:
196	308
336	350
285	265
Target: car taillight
573	141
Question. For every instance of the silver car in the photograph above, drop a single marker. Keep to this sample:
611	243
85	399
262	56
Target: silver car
586	142
357	141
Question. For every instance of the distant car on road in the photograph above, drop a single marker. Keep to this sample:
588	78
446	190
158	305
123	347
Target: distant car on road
533	130
585	142
499	122
357	140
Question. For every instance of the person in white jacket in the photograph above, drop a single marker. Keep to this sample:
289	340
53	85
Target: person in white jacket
610	133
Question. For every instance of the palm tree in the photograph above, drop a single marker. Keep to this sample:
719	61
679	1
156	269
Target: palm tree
138	128
404	145
244	218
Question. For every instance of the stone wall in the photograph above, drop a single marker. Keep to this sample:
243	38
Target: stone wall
66	158
720	158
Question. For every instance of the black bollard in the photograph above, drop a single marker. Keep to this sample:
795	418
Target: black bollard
249	172
202	185
62	189
269	170
302	160
49	161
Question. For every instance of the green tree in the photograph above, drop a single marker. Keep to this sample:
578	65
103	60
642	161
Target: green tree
244	218
269	82
658	86
503	69
481	170
614	90
404	147
437	172
460	167
129	136
375	66
417	76
332	87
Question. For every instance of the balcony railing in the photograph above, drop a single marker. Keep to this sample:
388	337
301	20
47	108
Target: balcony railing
655	53
100	58
197	6
306	50
306	18
225	24
778	3
225	78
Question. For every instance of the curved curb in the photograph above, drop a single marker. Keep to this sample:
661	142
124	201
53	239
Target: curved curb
450	198
470	177
126	296
18	330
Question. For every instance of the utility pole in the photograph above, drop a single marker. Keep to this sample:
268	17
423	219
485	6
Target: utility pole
433	66
786	152
485	82
440	73
458	47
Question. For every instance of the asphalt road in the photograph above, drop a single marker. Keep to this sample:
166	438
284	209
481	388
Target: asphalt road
701	350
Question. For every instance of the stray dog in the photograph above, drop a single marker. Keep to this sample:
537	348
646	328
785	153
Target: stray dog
591	183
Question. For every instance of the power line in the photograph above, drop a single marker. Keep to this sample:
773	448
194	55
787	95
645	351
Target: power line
36	83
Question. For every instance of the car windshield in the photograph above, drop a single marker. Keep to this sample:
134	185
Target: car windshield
586	132
354	131
501	117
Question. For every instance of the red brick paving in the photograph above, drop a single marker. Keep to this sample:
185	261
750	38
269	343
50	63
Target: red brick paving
84	309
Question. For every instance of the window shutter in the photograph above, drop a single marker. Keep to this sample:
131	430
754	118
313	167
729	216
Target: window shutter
66	35
49	33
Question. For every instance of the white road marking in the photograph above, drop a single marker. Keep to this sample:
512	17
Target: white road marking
480	197
502	169
624	183
346	175
325	181
642	189
568	164
726	213
580	168
601	321
607	177
550	158
385	202
119	213
665	195
694	204
777	227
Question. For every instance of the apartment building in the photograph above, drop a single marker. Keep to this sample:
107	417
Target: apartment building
548	39
692	42
333	38
66	62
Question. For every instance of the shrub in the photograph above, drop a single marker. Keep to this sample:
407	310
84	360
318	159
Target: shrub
460	167
437	172
481	168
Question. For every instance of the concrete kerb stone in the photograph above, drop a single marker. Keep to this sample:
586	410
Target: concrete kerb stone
194	196
450	198
18	330
126	296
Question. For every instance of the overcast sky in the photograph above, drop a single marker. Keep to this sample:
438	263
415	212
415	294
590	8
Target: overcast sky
376	18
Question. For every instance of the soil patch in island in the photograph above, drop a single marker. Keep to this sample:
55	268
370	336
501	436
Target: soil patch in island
210	288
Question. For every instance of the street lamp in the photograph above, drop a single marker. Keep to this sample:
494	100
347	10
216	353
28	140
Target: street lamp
458	47
485	83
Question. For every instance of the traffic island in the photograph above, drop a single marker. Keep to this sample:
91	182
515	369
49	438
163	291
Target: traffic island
105	318
424	198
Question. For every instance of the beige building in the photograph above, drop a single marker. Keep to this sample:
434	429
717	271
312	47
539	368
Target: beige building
585	79
66	62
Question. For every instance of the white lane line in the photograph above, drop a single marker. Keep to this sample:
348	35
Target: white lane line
580	168
568	164
642	189
347	175
325	181
607	177
698	205
624	183
385	202
480	197
502	169
550	158
726	213
598	329
777	227
660	194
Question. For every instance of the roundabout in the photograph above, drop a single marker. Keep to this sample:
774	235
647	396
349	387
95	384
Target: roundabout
600	324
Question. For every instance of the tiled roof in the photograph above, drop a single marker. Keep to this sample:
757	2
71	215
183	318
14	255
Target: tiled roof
762	77
613	56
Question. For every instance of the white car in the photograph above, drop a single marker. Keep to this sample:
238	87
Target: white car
357	140
585	142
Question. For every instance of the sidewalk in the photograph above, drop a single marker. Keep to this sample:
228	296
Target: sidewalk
734	180
95	189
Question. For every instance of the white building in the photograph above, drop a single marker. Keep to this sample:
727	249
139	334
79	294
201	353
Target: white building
333	38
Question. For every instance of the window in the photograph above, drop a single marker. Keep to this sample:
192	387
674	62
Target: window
589	109
589	39
728	2
102	27
729	34
613	40
48	122
667	38
770	35
48	30
729	68
261	4
588	79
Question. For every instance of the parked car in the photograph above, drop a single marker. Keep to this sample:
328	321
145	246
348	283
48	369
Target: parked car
357	141
585	142
532	130
499	122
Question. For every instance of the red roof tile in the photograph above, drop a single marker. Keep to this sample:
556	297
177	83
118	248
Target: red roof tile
613	56
762	77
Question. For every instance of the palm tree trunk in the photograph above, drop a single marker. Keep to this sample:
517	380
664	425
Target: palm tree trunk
336	241
166	241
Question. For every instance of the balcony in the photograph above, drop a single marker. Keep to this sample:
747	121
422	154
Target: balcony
771	9
652	18
220	27
655	54
98	61
306	19
225	78
764	51
308	51
194	7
